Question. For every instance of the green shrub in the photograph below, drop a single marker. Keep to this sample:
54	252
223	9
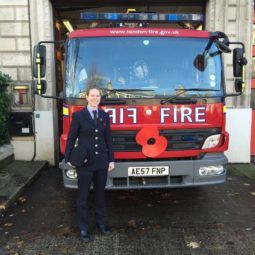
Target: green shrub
4	108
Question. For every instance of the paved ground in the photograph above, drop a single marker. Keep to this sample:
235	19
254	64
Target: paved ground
207	220
15	176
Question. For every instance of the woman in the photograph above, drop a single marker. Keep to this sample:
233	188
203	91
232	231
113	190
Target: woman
92	128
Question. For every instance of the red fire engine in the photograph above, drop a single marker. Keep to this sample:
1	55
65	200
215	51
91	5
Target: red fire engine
164	90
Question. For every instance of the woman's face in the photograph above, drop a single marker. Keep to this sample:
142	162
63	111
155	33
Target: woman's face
93	97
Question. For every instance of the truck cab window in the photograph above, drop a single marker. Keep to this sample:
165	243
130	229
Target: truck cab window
147	63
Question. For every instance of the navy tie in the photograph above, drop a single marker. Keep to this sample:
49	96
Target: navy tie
95	116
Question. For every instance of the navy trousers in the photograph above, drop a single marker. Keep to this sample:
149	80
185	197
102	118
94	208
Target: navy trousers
85	178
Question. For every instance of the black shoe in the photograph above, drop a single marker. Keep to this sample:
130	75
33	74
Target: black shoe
85	235
104	230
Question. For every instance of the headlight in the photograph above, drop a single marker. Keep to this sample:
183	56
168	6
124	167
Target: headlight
211	170
71	173
211	141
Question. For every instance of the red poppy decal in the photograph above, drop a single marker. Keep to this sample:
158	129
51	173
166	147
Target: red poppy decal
153	144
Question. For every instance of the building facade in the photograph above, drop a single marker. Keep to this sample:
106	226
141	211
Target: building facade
25	22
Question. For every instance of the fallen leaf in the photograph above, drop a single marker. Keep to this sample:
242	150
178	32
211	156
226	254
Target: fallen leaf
11	215
19	244
2	206
220	225
64	231
241	235
233	194
24	232
247	184
165	195
155	192
157	226
9	224
252	193
132	223
23	210
134	198
64	249
22	199
230	179
193	245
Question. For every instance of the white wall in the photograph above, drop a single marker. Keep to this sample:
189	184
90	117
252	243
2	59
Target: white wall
238	124
47	138
234	18
44	133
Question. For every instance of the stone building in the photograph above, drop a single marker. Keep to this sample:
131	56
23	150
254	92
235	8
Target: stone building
25	22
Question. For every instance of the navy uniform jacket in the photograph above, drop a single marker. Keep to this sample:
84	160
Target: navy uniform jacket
96	139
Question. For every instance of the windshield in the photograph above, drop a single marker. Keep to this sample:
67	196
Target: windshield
141	67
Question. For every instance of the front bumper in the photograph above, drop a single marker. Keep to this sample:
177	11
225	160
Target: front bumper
183	173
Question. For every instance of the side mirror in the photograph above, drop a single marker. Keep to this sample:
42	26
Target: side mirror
39	61
200	62
39	87
238	61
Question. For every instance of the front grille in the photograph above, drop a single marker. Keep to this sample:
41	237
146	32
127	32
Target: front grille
156	180
146	181
187	139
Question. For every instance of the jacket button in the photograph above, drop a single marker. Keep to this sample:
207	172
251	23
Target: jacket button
96	130
96	137
96	145
96	152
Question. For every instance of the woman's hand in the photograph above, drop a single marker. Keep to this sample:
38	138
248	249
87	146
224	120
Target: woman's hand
69	164
111	166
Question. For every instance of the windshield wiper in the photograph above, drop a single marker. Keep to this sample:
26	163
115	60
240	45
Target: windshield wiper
113	101
113	91
163	101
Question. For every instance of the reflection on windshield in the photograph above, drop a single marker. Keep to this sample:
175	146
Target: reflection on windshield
139	67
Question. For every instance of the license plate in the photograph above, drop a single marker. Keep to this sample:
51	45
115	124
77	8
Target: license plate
148	171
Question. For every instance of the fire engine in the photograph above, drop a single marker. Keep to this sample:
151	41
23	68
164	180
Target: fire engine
164	90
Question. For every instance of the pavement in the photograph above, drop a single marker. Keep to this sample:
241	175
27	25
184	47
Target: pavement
213	220
6	155
247	170
16	176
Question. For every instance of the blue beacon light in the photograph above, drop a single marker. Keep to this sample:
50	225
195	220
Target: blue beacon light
170	17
